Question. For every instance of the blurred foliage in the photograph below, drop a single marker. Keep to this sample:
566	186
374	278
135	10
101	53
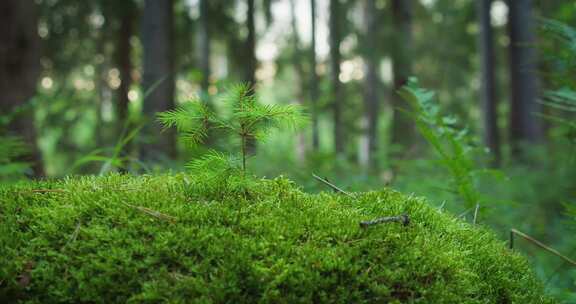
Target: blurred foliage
451	142
13	149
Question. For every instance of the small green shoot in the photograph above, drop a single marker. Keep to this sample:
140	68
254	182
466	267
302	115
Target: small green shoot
248	119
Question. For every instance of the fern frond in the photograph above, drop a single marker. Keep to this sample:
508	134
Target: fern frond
562	32
10	148
451	143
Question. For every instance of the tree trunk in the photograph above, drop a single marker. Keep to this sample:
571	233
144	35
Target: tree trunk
250	71
126	16
371	100
124	60
250	64
403	130
204	39
335	58
489	100
300	76
158	78
19	71
314	81
524	125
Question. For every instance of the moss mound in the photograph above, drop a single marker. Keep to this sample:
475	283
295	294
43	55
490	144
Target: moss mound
170	239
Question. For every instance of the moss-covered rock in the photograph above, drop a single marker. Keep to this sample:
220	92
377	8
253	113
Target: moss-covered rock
162	239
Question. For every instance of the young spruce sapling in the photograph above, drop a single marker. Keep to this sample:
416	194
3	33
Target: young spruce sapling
247	120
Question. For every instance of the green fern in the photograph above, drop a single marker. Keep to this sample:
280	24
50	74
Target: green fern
561	32
562	100
454	145
12	148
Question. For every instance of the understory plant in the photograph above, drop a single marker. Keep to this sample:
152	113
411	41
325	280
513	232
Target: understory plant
454	145
243	117
12	150
561	103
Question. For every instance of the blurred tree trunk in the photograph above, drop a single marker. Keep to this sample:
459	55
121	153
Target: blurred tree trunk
335	58
158	78
126	16
124	59
403	130
488	90
300	76
250	60
314	80
19	71
250	44
204	39
371	100
524	125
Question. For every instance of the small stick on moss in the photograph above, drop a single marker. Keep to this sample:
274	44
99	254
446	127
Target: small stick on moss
475	213
463	214
153	213
329	184
539	244
442	206
43	191
404	219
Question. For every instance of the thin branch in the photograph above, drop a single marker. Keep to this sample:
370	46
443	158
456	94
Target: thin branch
442	206
539	244
553	274
329	184
43	191
404	219
463	214
475	213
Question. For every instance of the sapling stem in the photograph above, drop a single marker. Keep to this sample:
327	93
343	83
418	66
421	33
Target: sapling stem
404	219
243	154
329	184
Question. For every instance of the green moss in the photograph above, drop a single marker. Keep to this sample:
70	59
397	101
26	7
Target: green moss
93	241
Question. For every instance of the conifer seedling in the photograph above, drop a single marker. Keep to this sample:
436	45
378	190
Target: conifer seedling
247	119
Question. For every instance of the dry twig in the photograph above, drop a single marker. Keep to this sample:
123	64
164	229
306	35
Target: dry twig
475	213
539	244
329	184
404	219
41	191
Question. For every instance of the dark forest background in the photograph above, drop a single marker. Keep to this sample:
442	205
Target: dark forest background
82	81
